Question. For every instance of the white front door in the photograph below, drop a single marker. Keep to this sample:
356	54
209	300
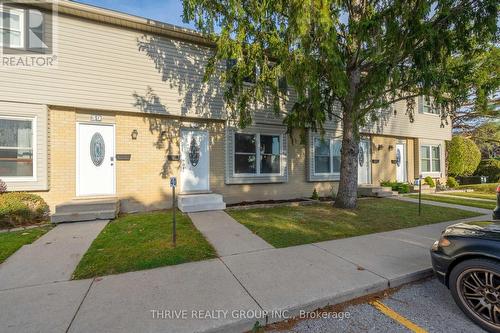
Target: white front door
95	160
195	161
364	162
401	162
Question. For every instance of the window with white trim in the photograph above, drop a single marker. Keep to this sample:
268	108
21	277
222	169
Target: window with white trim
17	153
428	106
11	27
257	154
430	158
327	156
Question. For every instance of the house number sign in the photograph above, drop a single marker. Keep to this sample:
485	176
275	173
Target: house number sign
96	117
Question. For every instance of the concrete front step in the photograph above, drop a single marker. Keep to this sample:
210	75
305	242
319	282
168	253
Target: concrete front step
83	216
374	191
190	203
86	210
78	206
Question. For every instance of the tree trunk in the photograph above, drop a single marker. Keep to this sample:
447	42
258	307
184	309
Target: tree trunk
348	186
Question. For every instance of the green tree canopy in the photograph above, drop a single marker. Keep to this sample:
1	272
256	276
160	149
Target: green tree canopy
360	55
463	156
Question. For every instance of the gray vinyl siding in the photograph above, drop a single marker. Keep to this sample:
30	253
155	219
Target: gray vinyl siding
39	113
396	122
231	178
105	67
102	66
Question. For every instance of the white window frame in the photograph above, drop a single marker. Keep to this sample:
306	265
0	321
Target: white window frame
431	159
34	149
330	143
21	14
258	155
427	103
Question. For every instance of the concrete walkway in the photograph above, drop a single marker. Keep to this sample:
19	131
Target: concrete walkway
446	205
227	235
466	198
228	294
51	258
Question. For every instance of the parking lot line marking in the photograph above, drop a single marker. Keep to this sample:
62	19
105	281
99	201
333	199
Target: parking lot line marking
397	317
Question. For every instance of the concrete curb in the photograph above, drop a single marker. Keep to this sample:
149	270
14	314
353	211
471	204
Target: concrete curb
411	277
332	300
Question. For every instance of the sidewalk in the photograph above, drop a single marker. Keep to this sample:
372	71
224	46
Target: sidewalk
228	293
51	258
227	236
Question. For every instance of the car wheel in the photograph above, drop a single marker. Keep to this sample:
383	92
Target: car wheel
475	286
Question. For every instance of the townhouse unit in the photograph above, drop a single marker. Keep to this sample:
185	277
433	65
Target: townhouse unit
120	106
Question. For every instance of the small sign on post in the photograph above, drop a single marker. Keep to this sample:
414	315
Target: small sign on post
419	195
173	185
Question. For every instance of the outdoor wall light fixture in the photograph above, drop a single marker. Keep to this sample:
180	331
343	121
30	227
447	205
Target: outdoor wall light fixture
380	147
391	147
134	134
163	135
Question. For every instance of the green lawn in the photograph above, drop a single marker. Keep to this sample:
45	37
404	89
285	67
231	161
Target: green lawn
288	226
478	195
10	242
142	241
457	201
484	188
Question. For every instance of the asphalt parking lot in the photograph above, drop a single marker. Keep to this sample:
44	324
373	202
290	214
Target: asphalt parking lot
424	306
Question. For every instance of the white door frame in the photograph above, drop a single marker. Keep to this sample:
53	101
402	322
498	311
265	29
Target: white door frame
404	161
78	123
186	129
368	162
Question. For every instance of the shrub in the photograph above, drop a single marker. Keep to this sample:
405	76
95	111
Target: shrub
315	195
396	186
451	182
429	181
463	156
3	187
19	208
489	168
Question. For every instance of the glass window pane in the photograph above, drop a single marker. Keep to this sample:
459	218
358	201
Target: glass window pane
16	148
16	133
270	164
11	38
337	146
425	152
435	152
244	163
426	165
270	144
244	143
436	166
336	164
16	163
321	164
11	20
321	147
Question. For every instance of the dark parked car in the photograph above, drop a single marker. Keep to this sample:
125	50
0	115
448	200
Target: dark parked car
496	212
467	260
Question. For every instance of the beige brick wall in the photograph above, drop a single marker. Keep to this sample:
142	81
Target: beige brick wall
143	182
61	157
385	170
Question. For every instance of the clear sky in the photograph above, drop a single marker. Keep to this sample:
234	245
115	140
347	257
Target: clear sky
168	11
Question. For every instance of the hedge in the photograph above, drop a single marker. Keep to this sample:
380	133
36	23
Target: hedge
20	209
489	168
463	156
